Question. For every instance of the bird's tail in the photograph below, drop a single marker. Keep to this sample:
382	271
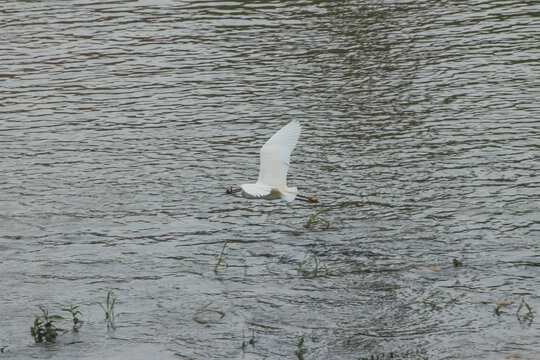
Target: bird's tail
290	195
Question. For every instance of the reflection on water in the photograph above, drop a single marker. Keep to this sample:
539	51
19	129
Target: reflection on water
122	123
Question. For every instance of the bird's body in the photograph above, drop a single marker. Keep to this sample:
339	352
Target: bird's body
275	158
260	191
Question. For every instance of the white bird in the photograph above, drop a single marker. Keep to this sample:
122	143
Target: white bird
275	159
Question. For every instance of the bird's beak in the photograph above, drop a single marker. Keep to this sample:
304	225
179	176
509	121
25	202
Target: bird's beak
309	199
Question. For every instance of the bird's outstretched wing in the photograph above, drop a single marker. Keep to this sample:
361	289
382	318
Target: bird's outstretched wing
276	155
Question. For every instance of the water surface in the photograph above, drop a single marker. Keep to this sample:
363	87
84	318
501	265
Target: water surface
122	123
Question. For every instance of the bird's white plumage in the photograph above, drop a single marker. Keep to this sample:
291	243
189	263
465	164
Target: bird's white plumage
256	190
275	158
276	155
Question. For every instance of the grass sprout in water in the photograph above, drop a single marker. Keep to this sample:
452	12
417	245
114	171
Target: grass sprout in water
527	316
301	350
317	222
221	259
75	313
499	305
44	327
311	266
198	316
108	308
250	341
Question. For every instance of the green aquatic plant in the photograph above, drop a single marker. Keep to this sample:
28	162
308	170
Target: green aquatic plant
456	262
44	327
311	266
528	315
316	220
250	341
75	313
498	306
301	350
221	259
198	314
109	309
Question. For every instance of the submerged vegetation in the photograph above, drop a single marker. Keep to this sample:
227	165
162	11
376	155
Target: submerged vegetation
311	266
75	313
524	312
301	350
44	327
108	308
204	310
221	259
251	341
525	316
317	222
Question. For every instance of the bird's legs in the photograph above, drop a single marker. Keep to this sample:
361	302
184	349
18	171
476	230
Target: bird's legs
232	191
307	198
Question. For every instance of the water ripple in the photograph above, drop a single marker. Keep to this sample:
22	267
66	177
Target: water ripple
122	123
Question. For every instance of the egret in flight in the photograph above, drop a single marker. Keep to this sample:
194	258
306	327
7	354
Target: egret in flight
275	158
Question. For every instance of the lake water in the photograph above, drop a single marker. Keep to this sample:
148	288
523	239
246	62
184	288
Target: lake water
123	122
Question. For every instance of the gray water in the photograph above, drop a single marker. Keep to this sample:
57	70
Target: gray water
122	124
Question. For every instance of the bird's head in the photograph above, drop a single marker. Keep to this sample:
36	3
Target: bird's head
232	190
